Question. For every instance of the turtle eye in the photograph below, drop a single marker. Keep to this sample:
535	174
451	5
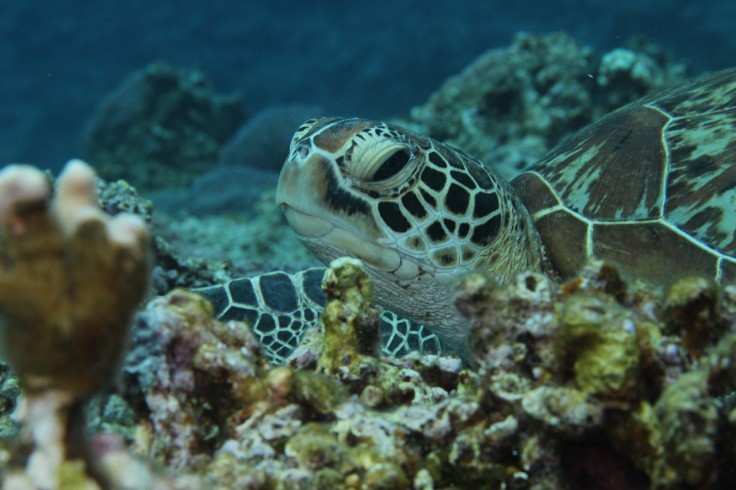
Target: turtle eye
392	165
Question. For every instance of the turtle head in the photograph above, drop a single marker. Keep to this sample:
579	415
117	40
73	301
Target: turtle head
417	212
328	193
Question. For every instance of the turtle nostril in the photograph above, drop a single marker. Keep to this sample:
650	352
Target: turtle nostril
302	151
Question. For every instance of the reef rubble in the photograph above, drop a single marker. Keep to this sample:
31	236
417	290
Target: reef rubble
600	382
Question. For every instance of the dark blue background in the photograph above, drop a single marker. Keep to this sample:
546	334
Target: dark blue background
372	58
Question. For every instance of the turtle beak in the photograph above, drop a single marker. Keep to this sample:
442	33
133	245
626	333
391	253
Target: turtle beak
298	199
300	193
298	178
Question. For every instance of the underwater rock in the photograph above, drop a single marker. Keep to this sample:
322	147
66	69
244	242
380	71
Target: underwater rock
160	128
566	410
263	141
218	191
301	427
506	321
542	411
610	377
625	75
640	67
599	341
121	197
692	307
512	104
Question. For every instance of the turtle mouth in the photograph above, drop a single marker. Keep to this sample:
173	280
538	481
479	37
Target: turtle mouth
304	224
315	230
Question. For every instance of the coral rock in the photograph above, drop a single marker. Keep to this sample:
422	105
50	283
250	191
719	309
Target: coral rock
351	324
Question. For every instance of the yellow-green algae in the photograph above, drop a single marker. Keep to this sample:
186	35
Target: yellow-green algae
600	341
685	432
350	322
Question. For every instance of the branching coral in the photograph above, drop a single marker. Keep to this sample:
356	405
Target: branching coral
70	279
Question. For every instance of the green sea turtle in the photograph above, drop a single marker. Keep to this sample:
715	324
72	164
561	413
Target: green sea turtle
651	186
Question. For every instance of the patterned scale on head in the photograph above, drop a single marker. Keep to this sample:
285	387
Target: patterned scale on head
418	213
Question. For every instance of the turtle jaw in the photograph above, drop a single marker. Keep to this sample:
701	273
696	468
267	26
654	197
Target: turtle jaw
306	226
328	241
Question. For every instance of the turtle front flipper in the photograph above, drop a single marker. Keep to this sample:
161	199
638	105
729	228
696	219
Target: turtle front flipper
281	307
400	336
278	306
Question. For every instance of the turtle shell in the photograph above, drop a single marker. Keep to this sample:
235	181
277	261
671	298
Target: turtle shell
651	186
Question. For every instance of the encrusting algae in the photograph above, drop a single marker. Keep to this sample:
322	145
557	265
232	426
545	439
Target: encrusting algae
351	335
596	383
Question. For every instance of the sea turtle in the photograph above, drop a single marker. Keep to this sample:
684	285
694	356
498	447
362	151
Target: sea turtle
651	186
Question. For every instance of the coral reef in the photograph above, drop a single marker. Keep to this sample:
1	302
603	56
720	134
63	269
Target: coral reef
179	358
512	105
351	324
72	278
121	197
599	382
636	69
580	385
606	359
160	128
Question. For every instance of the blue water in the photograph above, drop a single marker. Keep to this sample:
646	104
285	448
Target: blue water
369	58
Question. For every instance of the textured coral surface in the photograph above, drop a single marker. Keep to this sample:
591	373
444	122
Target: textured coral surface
591	384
